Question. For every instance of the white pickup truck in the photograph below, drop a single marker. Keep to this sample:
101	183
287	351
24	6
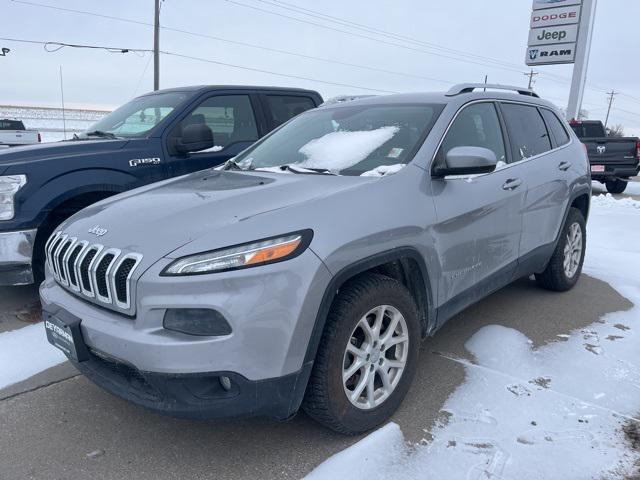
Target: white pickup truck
13	133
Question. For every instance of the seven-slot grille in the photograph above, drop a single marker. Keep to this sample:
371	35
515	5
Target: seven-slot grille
93	271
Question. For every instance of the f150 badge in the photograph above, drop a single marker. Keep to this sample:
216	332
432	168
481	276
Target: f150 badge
135	162
98	231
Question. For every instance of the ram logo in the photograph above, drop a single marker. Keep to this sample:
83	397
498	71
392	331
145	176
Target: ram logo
533	53
601	149
134	162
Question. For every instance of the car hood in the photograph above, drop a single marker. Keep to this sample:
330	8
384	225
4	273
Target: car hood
224	207
55	150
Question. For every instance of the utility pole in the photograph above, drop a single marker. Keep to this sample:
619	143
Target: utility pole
156	47
486	79
611	94
583	47
531	74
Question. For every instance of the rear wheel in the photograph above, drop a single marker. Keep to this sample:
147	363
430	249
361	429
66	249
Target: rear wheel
616	186
367	356
565	265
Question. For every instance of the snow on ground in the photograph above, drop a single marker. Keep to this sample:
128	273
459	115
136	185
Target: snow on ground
26	352
553	412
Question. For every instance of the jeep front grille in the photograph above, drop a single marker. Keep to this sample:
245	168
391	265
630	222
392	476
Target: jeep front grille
93	271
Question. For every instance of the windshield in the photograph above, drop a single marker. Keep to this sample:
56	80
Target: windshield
346	140
137	117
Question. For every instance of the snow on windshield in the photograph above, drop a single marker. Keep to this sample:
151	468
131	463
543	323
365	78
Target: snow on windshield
340	150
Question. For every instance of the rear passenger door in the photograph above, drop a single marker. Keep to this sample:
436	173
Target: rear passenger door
537	137
479	217
233	121
281	108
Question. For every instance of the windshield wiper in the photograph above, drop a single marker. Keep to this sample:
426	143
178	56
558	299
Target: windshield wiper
101	134
291	167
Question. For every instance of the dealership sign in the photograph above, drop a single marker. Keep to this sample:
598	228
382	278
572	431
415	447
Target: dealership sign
551	35
555	16
554	32
550	54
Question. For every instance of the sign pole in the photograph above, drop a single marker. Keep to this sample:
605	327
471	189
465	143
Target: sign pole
583	49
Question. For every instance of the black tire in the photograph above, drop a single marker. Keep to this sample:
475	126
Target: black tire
616	186
325	398
554	276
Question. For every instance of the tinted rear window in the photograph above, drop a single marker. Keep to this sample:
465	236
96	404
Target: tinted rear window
556	128
11	125
285	107
527	131
588	130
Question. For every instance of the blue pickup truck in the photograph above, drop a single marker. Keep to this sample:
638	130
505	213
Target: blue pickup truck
153	137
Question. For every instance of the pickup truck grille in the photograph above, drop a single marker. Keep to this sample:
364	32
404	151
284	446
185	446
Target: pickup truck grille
98	273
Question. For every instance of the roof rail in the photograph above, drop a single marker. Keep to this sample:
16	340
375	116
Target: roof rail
470	87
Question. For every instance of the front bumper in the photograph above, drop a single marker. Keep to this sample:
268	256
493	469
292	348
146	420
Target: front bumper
200	396
16	254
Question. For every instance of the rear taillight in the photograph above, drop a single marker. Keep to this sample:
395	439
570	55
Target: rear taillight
638	149
39	138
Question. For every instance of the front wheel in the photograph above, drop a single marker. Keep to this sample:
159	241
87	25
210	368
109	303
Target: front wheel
616	186
565	265
367	356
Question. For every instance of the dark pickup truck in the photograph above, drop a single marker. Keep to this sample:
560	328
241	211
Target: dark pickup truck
613	159
153	137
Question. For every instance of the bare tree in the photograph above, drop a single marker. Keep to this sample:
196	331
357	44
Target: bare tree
615	131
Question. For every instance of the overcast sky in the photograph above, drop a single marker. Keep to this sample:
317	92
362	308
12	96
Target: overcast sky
495	29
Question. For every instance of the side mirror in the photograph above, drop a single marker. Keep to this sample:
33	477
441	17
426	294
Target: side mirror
195	137
467	161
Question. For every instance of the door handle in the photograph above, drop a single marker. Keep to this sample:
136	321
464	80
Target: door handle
512	184
564	166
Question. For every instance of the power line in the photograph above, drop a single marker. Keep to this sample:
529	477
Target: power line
297	77
56	46
191	57
378	31
244	44
367	37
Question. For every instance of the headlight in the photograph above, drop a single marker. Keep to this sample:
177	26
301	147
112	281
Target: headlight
261	252
9	185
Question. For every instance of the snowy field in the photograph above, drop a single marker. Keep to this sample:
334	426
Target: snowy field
566	410
48	121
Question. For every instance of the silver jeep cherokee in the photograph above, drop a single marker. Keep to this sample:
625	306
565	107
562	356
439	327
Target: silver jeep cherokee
307	270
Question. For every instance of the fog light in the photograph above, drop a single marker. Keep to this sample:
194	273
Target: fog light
226	383
196	321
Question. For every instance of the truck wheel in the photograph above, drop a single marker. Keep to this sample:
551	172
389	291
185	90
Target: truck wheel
616	186
367	355
565	265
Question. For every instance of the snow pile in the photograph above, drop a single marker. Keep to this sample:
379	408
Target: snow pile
337	151
609	201
383	170
25	352
554	412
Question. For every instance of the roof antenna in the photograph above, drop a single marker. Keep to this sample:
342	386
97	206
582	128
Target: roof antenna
486	77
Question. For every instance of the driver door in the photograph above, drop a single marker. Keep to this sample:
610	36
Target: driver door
479	217
232	120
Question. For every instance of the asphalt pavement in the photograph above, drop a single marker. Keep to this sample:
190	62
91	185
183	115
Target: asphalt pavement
58	425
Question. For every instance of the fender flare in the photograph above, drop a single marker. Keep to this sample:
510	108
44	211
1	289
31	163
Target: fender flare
332	289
